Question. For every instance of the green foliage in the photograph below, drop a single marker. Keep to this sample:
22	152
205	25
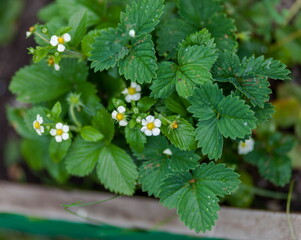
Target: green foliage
78	22
219	117
91	134
271	158
104	123
195	194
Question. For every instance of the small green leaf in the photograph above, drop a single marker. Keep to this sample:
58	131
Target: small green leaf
40	53
104	123
142	16
91	134
33	152
108	48
78	22
82	157
264	114
140	64
88	40
116	170
181	133
58	151
175	104
195	194
56	110
135	138
146	103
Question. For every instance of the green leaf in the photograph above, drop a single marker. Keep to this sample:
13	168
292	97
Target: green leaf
271	158
135	138
39	82
78	22
56	170
142	16
91	134
158	165
116	170
33	152
175	104
180	132
40	53
87	42
195	194
82	157
146	103
140	64
219	116
108	48
264	114
170	33
249	76
103	122
58	151
193	70
56	110
210	15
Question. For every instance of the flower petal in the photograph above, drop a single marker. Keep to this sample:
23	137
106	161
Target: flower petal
38	132
157	123
114	114
138	88
57	67
58	138
134	84
65	136
125	91
143	129
136	96
128	98
123	123
144	122
150	118
67	37
156	131
65	128
54	40
53	132
61	48
59	126
148	132
121	109
42	129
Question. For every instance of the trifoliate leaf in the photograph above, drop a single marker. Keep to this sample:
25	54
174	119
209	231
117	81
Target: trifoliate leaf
103	122
82	157
135	138
193	70
142	16
116	170
159	163
78	22
58	151
249	76
140	64
195	194
219	116
170	33
108	48
180	132
271	158
91	134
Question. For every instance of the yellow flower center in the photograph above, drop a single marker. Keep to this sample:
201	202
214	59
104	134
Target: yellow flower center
61	40
59	132
31	29
119	116
131	90
37	125
174	125
50	61
150	126
243	144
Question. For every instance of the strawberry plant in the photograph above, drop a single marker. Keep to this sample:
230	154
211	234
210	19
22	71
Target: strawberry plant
148	95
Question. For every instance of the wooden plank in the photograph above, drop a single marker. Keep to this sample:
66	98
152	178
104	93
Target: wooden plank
139	212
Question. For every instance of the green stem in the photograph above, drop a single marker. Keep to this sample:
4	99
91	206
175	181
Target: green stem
288	207
105	8
264	192
40	36
293	11
72	113
165	119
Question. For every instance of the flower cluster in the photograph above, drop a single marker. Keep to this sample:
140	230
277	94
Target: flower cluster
60	41
60	132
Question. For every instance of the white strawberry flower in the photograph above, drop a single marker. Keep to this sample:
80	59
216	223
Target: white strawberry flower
59	41
246	146
60	132
37	125
132	93
167	151
120	116
56	67
151	126
132	33
30	31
